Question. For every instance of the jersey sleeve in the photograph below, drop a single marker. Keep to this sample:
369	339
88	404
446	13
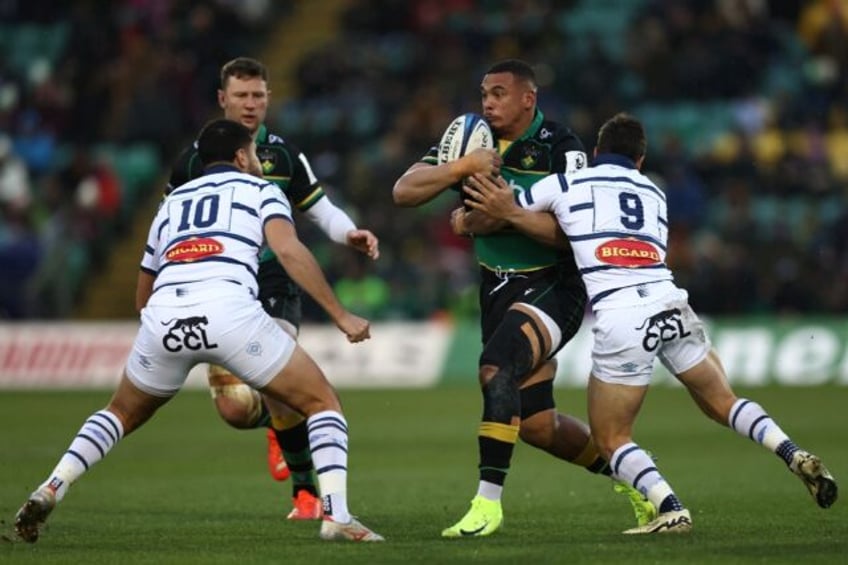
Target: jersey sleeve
150	258
431	157
273	204
544	195
569	155
304	190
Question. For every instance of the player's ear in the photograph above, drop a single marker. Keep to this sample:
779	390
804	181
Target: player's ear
221	99
242	160
530	99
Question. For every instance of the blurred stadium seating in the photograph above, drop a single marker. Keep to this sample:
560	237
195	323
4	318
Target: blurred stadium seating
744	104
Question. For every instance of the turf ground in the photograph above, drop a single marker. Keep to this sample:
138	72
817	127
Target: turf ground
188	489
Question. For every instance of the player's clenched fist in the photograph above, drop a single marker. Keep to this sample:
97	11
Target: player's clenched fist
354	327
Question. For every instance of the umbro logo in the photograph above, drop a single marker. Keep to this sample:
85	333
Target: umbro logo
528	291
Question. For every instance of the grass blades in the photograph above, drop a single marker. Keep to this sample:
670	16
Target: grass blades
188	489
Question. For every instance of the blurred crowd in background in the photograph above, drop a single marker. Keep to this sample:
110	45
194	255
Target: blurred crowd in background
744	103
96	98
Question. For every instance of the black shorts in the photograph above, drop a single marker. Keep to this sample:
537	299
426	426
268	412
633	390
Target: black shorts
554	290
279	295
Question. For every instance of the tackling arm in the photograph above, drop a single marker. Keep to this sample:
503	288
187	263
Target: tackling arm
493	197
472	222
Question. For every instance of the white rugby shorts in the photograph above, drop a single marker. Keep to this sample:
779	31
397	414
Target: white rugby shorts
628	339
232	331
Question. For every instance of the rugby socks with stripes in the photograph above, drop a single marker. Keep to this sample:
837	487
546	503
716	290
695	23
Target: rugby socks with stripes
495	442
750	420
328	443
497	434
294	443
97	436
632	464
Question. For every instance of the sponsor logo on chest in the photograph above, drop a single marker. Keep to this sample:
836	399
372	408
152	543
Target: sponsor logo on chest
530	156
627	253
194	249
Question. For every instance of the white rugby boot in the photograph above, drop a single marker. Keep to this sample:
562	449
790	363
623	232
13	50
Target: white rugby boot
349	531
675	522
33	513
816	477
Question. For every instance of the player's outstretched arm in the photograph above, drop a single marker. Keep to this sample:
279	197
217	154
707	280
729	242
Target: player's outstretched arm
340	228
493	197
422	182
301	265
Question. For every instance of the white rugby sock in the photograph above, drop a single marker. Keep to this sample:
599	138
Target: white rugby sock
328	444
97	436
631	464
750	420
489	491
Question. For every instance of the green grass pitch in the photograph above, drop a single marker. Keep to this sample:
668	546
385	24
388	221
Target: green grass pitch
188	489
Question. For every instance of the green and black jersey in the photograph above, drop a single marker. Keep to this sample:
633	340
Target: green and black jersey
546	147
282	163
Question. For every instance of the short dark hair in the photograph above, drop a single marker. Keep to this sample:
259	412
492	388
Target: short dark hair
220	140
242	67
516	67
624	135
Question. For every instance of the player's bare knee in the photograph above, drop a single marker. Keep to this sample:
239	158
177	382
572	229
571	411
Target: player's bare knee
238	405
485	374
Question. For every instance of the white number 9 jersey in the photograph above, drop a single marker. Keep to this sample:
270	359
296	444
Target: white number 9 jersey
616	221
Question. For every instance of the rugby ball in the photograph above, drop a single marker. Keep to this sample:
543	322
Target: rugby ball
464	134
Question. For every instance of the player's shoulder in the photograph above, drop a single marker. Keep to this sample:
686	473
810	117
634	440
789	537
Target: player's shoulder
554	132
188	150
219	179
552	184
280	156
276	140
546	192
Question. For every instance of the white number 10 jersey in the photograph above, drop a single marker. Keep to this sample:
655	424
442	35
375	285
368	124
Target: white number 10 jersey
616	221
212	228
